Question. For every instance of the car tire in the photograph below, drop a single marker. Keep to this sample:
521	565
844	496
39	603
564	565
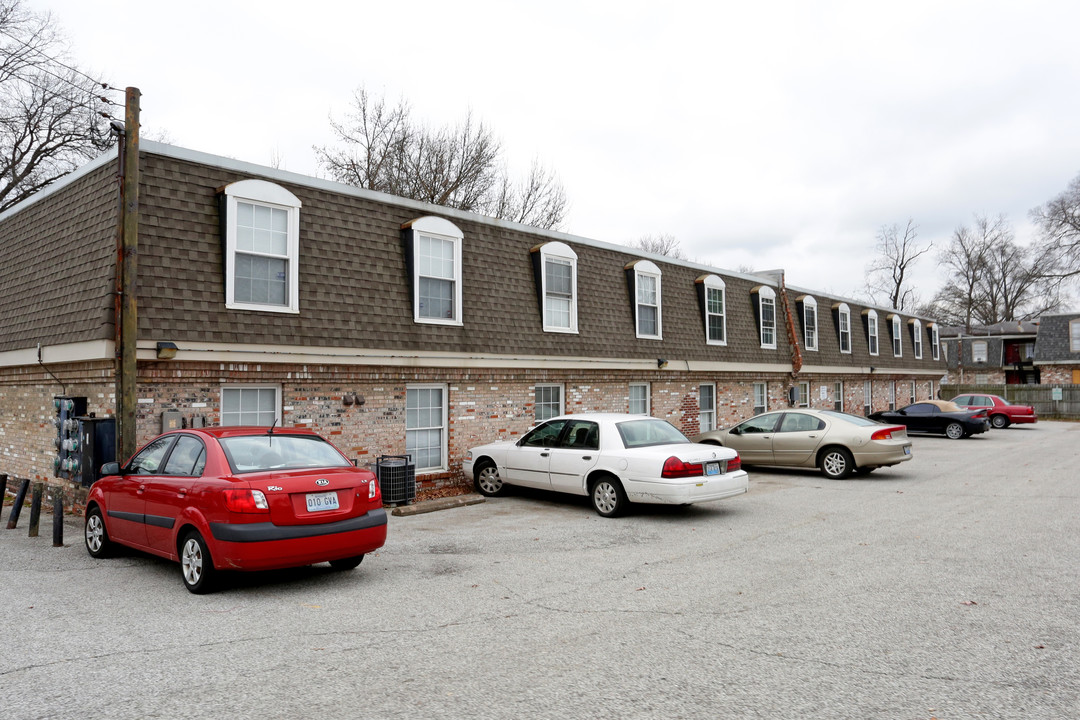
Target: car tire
97	539
196	565
954	431
347	563
836	463
608	497
999	421
487	481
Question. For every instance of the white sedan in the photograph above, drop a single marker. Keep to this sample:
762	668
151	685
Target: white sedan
613	458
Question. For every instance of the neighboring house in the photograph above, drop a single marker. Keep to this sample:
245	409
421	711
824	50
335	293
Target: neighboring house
999	354
393	326
1057	349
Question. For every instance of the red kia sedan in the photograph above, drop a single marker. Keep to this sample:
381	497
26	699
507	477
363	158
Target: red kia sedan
237	498
1002	413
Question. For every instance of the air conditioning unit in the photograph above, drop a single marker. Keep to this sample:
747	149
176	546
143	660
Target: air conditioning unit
397	478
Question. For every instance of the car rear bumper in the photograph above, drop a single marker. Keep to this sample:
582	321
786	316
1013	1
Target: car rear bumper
880	456
1021	419
265	546
693	490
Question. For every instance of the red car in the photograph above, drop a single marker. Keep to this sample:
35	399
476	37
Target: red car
1002	413
237	498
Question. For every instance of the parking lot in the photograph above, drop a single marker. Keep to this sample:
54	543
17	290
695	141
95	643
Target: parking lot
945	587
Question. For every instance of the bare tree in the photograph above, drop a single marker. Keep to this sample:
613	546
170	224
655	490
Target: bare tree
1059	221
50	111
381	148
662	244
888	276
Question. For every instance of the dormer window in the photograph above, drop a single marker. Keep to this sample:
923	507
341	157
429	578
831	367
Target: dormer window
766	316
713	296
557	276
843	326
644	277
810	329
434	247
262	247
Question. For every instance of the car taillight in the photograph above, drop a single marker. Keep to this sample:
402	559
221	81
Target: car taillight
734	463
979	415
372	489
244	500
676	468
885	433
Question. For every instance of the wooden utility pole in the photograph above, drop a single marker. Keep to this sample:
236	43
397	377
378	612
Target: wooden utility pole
127	267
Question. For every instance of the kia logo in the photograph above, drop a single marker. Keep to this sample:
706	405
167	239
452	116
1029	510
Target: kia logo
322	482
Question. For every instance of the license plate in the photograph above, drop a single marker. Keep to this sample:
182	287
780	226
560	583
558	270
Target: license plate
712	468
322	501
907	449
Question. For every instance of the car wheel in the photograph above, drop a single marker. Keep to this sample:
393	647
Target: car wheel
97	537
608	498
197	568
487	481
954	431
999	421
347	563
836	463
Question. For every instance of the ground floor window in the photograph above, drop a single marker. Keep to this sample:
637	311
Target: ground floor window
639	398
804	395
249	405
425	426
548	402
892	395
868	397
838	396
761	397
707	407
912	400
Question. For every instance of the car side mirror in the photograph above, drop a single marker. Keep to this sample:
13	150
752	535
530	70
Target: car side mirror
110	468
735	431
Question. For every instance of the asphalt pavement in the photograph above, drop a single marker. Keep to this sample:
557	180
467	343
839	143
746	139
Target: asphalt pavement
945	587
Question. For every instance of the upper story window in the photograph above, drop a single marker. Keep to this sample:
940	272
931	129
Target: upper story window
645	277
897	337
433	247
767	316
1074	335
843	325
978	351
557	275
935	343
262	247
714	297
916	338
809	305
872	331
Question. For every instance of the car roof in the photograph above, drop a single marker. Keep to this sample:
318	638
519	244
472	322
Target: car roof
220	431
946	405
598	416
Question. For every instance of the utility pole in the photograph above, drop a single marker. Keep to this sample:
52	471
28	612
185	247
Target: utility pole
127	327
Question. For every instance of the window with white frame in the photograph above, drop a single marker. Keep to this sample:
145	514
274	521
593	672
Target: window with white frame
639	398
715	311
425	426
707	407
872	331
647	295
916	338
868	397
838	396
435	250
843	316
262	247
804	395
767	316
897	336
911	396
761	397
978	351
548	402
558	287
250	405
931	388
935	342
892	395
810	322
1074	336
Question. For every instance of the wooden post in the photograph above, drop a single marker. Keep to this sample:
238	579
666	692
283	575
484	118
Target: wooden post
58	518
35	508
16	509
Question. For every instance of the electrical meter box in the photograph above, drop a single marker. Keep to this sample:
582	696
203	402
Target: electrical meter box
68	453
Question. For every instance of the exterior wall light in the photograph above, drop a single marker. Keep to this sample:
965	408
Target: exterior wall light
661	363
166	350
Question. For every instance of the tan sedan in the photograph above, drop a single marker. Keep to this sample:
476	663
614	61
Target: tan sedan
835	442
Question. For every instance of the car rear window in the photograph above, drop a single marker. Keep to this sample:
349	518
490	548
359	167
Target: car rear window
253	453
649	431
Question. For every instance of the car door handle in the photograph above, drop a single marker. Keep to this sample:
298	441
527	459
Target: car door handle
586	457
544	454
142	489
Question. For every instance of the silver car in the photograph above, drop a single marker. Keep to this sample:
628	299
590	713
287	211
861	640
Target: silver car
835	442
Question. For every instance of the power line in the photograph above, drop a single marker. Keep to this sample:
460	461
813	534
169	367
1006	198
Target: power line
103	85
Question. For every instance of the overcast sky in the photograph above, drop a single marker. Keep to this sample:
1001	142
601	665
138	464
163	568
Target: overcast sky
762	134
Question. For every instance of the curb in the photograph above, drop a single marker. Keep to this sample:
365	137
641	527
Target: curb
438	504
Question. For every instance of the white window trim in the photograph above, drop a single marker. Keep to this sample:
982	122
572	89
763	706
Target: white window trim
872	326
764	397
714	282
267	194
897	336
935	341
985	351
648	397
444	450
563	252
440	229
711	413
838	390
766	293
914	392
1074	336
277	400
646	268
916	327
868	397
844	318
892	395
562	399
809	302
804	394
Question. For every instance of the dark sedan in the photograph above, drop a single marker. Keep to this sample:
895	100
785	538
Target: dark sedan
937	416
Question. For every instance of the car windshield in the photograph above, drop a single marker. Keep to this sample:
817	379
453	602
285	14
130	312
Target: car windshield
252	453
853	419
649	431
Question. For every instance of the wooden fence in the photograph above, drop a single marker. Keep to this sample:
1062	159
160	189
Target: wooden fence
1041	397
